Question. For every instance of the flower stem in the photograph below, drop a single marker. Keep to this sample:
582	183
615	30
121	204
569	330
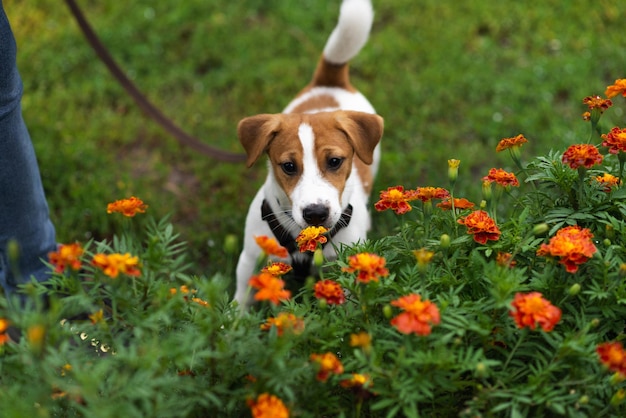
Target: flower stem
517	344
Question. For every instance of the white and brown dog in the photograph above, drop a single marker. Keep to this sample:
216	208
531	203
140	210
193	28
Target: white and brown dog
323	155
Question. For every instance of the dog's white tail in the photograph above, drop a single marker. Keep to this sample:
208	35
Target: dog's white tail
351	32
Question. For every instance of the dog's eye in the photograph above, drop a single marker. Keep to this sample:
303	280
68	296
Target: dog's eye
334	163
289	168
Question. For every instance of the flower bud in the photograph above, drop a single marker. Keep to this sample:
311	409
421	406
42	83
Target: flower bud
322	303
540	229
13	251
618	397
616	378
574	290
481	370
609	231
387	311
231	244
444	241
35	335
318	257
453	170
584	400
486	189
595	322
606	242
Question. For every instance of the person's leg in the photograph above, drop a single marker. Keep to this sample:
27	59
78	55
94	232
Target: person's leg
24	215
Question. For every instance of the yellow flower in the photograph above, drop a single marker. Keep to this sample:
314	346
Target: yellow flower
97	317
362	339
309	237
423	256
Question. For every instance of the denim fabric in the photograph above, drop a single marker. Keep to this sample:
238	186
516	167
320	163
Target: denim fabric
24	215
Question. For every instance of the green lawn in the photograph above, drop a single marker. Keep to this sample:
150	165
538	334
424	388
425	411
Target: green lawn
450	78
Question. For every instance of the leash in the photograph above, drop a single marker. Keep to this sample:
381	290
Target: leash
150	109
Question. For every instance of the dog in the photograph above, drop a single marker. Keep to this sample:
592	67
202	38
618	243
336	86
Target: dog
323	154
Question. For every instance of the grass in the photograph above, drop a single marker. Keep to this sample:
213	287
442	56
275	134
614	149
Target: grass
451	79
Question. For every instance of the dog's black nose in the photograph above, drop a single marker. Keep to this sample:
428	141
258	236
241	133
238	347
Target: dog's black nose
315	215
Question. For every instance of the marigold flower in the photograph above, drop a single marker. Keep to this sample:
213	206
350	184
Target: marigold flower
268	406
459	203
619	87
480	225
284	321
329	290
277	269
613	356
582	155
97	317
426	194
530	309
66	256
270	246
127	207
586	116
608	181
396	199
201	302
4	326
418	317
597	102
369	267
114	264
505	260
269	288
423	256
328	364
615	140
501	177
453	169
572	244
310	237
362	339
357	380
514	142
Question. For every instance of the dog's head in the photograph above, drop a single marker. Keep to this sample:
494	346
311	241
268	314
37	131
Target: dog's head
311	157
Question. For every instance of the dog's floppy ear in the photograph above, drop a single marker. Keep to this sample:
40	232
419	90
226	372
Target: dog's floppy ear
364	131
255	134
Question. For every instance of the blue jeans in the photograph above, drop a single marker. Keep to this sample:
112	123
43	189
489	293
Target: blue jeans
24	215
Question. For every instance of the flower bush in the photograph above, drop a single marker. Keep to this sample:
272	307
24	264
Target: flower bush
513	306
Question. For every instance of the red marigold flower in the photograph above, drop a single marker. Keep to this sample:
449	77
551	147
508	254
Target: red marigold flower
480	225
277	269
582	155
505	260
426	194
597	102
613	356
501	177
271	247
269	288
310	237
328	364
460	203
114	264
369	267
67	255
608	181
615	140
331	291
418	317
514	142
572	244
619	87
284	321
531	309
127	207
396	199
268	406
4	326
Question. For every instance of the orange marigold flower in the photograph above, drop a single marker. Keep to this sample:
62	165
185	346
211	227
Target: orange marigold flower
328	364
329	290
271	247
65	256
514	142
505	260
356	381
114	264
619	87
268	406
127	207
501	177
369	267
426	194
277	269
418	317
284	321
480	225
97	317
396	199
310	237
613	356
530	309
608	181
269	288
460	203
586	116
615	140
362	339
4	326
572	244
582	155
597	102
